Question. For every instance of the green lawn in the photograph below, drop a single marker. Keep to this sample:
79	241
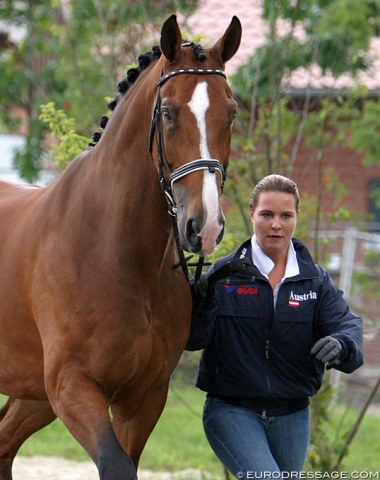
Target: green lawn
178	441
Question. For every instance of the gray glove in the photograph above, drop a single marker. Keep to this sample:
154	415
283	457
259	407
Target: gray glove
327	350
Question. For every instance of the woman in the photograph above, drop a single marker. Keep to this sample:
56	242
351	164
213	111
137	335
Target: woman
269	321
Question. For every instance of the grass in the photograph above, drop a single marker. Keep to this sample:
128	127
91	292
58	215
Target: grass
178	441
363	453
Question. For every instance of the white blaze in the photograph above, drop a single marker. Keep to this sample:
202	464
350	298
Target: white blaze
199	104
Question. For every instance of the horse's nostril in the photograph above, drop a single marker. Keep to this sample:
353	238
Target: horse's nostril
191	226
192	230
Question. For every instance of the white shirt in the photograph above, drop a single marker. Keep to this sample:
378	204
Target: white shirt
265	264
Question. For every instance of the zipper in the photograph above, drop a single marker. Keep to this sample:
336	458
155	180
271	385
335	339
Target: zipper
270	321
267	345
266	348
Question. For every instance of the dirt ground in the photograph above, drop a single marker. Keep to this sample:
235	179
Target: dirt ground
54	468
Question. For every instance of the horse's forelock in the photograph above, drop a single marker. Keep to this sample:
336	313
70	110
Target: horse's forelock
198	51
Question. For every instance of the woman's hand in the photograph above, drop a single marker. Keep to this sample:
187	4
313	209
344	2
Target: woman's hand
328	350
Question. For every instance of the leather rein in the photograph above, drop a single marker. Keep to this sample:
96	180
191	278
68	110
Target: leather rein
173	175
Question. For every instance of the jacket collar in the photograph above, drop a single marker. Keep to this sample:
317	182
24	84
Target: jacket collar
307	268
265	264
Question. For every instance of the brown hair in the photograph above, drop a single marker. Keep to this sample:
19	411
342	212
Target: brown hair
274	183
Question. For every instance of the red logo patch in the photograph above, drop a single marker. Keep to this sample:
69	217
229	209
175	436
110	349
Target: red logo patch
242	289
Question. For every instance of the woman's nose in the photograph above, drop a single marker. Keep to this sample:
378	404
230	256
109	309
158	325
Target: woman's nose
276	224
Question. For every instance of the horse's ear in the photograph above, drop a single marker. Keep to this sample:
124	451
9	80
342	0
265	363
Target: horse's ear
171	38
227	45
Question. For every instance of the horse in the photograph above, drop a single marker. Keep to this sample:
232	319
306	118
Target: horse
94	309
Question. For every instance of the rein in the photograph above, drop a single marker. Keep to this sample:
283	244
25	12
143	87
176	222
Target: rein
173	175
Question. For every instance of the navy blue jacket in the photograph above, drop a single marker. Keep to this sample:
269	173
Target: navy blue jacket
253	351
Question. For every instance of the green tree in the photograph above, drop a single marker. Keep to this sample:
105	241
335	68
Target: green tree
73	56
67	143
23	83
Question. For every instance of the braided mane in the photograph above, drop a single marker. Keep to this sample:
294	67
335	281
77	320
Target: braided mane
143	61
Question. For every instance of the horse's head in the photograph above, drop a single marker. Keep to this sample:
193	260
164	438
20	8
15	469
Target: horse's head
192	122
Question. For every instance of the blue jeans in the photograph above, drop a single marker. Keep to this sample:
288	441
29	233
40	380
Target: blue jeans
254	446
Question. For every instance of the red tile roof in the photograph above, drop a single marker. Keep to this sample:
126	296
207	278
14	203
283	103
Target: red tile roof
212	18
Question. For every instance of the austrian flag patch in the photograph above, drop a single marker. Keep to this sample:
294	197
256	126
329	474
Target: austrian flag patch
293	303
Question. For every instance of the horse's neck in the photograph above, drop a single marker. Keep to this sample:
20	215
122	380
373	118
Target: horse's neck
122	164
114	191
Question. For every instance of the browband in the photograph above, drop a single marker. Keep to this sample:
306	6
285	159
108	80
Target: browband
198	71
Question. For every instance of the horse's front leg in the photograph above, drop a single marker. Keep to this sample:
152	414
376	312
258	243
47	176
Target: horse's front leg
79	403
133	430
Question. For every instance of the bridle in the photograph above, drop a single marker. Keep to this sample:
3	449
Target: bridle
156	127
166	184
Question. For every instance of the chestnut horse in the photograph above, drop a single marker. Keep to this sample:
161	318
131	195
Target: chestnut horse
93	316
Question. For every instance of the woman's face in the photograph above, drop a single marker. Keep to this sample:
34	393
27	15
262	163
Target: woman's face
274	221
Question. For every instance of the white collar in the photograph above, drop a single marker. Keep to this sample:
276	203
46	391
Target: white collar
265	264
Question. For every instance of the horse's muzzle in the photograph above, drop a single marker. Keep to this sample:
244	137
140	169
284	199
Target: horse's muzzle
200	240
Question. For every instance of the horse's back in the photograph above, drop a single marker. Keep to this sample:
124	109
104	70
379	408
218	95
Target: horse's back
13	188
13	200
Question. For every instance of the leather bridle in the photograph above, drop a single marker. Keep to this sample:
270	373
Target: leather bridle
173	175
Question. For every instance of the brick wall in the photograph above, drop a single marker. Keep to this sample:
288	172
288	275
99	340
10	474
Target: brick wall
348	170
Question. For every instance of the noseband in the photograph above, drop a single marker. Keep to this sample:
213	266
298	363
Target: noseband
173	175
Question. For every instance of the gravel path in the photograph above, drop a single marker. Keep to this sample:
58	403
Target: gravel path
54	468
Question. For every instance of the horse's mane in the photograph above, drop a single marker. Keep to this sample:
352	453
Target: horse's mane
143	61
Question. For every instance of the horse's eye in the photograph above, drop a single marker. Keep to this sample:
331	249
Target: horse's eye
166	114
